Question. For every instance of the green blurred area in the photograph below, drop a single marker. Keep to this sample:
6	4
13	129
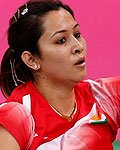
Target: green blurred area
116	145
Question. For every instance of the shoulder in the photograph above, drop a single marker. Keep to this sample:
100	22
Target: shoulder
20	91
106	91
14	121
23	88
107	86
105	81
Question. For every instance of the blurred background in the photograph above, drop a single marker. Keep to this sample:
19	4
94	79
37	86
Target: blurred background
99	24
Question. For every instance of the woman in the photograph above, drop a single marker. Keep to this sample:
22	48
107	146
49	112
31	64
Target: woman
43	69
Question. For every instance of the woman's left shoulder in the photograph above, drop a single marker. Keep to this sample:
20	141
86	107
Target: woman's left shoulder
110	80
106	91
104	82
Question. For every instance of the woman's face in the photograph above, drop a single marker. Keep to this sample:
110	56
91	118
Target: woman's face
63	48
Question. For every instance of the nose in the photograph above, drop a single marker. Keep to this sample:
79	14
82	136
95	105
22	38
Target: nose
77	47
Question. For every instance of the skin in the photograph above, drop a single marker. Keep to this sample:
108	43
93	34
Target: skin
56	72
58	60
7	141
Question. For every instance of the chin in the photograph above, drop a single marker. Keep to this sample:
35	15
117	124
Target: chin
84	75
81	76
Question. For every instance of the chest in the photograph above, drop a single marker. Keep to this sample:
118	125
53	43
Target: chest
86	126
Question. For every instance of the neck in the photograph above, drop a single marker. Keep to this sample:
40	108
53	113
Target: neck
59	95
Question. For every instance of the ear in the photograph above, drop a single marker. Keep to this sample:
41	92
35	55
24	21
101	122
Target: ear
30	60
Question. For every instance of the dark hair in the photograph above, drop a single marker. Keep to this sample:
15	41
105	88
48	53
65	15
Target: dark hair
23	34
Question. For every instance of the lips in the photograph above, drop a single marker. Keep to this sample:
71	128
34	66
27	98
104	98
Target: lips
80	61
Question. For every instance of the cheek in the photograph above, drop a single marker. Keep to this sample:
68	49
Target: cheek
55	54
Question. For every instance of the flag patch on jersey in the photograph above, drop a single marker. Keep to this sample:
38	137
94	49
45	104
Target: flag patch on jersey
97	117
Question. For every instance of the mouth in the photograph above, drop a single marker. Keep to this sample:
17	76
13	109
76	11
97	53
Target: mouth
80	62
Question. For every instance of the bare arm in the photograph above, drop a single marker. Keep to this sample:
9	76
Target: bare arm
7	141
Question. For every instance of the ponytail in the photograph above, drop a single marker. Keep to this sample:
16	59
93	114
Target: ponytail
13	72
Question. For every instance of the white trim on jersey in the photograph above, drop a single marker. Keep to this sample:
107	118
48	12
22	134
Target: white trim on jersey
2	105
27	101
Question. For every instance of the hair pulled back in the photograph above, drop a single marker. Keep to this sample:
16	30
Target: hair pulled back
23	34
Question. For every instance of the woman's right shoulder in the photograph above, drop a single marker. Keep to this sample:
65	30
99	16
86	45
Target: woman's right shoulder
16	126
20	91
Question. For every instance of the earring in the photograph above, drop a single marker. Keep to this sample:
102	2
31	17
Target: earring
35	66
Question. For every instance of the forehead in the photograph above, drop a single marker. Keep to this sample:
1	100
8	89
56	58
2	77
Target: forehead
57	20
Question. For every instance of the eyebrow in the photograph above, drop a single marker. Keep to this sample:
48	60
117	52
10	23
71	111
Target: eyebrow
61	31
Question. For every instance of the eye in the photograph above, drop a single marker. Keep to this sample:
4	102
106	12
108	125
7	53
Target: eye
61	41
77	35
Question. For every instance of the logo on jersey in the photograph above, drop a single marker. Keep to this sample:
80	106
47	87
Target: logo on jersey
97	117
